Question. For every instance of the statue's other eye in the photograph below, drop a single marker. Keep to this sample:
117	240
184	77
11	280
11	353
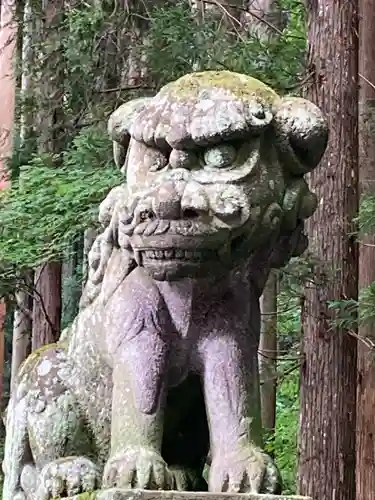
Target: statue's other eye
220	156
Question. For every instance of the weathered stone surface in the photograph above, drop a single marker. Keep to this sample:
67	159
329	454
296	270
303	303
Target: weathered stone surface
115	494
162	358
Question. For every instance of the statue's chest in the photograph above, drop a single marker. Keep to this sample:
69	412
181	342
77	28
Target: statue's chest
178	297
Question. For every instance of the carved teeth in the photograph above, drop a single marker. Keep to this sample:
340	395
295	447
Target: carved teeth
179	254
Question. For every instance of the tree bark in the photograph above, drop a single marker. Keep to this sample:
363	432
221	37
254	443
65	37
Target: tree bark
229	13
267	356
329	369
50	126
22	321
366	367
21	339
47	305
265	19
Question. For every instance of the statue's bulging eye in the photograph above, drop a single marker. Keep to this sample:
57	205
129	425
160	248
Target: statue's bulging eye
220	156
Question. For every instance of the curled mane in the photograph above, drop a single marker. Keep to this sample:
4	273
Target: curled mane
105	244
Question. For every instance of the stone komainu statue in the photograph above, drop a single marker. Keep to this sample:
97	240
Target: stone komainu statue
160	365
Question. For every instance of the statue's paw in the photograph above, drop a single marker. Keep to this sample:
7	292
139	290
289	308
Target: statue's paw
138	468
245	470
272	481
67	477
185	479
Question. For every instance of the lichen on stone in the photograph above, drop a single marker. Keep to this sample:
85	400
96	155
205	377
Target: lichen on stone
35	356
240	86
84	496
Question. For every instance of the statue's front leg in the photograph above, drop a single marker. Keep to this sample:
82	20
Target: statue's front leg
230	388
139	393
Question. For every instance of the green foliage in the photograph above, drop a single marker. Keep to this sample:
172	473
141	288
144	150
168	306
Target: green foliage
82	27
284	443
366	216
53	201
178	44
346	316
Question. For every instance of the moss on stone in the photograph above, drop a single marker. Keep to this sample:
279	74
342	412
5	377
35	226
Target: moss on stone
34	357
82	496
241	86
85	496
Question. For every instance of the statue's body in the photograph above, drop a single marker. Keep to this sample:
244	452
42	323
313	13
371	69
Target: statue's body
161	363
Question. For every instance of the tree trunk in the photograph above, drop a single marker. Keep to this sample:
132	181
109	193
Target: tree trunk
267	354
265	19
21	339
22	322
48	296
8	37
329	370
72	282
229	13
366	367
47	305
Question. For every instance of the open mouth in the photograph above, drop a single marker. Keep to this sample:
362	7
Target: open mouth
180	257
179	254
197	255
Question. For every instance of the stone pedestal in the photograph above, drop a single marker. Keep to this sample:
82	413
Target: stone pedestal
117	494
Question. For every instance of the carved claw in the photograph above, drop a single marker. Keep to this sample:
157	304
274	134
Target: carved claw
246	470
138	468
67	477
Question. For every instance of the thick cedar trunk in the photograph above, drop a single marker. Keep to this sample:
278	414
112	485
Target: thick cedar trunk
72	282
22	322
47	305
21	339
50	126
366	367
329	369
269	11
267	356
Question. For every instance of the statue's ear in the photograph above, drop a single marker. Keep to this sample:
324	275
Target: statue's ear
301	134
119	125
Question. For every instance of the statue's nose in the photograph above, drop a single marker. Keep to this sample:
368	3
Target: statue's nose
167	202
179	200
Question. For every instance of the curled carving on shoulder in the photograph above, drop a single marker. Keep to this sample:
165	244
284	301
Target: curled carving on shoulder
112	213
